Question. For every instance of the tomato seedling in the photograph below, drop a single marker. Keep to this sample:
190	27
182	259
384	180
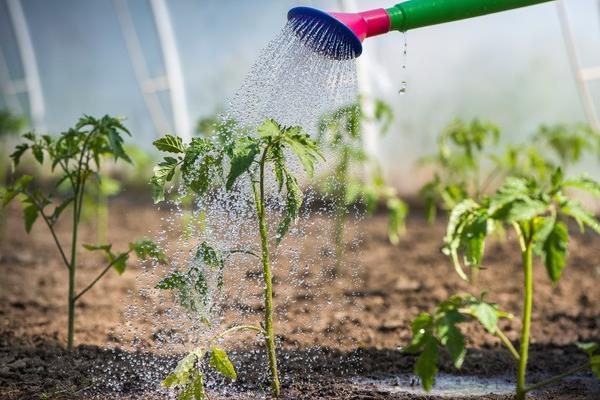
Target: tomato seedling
202	164
467	163
340	133
537	210
76	158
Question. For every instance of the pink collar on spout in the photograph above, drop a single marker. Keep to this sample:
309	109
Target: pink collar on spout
367	23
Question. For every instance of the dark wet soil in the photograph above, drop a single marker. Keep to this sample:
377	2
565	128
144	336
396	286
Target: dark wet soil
358	334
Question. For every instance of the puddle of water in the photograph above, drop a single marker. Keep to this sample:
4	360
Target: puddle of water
449	386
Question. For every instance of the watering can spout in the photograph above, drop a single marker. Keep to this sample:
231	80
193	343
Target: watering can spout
340	35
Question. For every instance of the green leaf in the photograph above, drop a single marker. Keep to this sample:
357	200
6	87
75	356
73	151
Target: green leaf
163	173
209	256
292	206
269	128
304	148
183	373
38	153
30	213
158	190
170	144
420	326
583	217
588	347
119	263
221	363
16	155
242	153
175	280
512	189
146	248
456	346
397	212
116	144
473	237
555	251
426	365
585	183
486	314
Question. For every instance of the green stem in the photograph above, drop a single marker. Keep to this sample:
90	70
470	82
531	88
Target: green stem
556	378
341	193
527	256
104	271
259	196
72	265
506	342
238	328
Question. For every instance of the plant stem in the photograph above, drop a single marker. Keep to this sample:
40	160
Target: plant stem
259	196
340	194
104	271
556	378
527	257
72	265
507	344
238	328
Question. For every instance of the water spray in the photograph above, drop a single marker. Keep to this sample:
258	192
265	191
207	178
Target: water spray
340	35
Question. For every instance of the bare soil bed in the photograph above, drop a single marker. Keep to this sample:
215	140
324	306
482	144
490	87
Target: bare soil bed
347	326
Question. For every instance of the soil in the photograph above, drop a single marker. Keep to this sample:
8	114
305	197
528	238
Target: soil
330	329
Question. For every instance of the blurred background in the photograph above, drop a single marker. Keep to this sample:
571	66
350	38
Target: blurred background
164	64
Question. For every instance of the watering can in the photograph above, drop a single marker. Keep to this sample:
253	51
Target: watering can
340	35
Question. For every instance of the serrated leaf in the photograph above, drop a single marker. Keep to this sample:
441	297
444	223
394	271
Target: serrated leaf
175	280
16	155
209	256
269	128
221	363
426	365
242	153
30	213
585	183
146	248
116	144
170	144
555	251
582	216
292	206
158	190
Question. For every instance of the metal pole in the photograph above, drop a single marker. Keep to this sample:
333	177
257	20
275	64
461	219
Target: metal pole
140	70
584	92
172	62
30	67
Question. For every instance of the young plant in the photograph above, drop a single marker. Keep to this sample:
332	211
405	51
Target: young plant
341	134
466	165
247	157
537	210
75	156
458	165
